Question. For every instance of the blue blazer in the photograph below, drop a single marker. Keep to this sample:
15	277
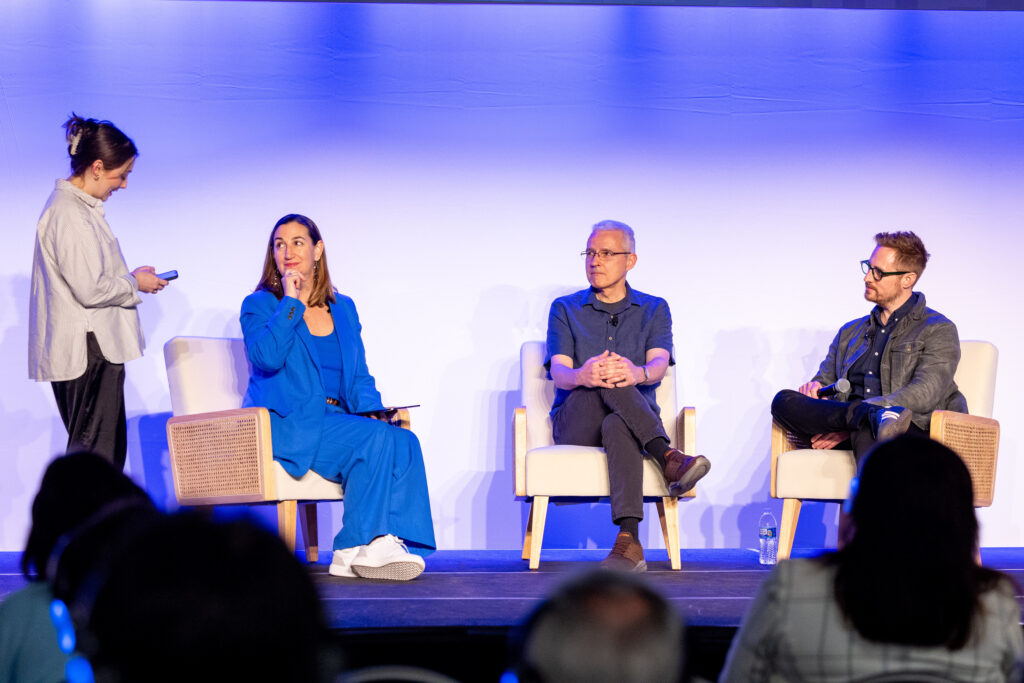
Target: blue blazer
286	375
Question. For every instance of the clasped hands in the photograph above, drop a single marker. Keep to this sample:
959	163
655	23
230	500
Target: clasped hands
609	370
829	439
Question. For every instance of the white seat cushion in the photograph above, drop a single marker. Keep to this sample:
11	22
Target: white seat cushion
815	474
311	486
580	471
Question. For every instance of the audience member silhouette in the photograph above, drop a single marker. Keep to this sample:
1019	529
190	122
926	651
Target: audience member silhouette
602	627
191	599
74	490
904	599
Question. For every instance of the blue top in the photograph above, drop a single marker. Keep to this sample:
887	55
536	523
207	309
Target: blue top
330	362
581	326
866	373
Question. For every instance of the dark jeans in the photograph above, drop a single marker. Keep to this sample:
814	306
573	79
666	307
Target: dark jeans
92	407
621	421
806	416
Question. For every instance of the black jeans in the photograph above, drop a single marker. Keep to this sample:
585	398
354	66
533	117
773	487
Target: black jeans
92	407
621	421
806	416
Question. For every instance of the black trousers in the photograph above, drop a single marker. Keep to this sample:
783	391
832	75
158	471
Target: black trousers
806	416
92	407
621	421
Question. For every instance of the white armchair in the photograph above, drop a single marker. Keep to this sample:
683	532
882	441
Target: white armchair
544	470
799	473
222	454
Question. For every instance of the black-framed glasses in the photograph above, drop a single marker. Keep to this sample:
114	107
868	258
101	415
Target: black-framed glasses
878	273
604	254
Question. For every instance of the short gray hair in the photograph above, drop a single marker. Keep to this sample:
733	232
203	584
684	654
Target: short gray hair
604	627
627	232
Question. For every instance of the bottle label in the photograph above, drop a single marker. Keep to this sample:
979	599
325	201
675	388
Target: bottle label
768	532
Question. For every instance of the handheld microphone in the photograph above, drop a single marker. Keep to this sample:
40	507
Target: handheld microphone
615	320
840	386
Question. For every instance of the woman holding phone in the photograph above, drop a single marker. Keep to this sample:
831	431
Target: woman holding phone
83	317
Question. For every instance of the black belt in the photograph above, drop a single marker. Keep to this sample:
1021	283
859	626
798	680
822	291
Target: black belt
333	401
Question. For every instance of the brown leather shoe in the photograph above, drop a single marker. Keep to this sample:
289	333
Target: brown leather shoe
627	555
682	471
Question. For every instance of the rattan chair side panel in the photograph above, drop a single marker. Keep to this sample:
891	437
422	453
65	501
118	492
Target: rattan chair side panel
220	457
976	440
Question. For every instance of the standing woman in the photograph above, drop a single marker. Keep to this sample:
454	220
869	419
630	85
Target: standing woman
309	370
83	322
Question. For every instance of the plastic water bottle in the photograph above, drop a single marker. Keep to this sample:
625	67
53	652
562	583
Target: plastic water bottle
768	535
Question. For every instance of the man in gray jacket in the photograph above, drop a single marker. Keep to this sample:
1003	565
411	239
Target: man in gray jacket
897	362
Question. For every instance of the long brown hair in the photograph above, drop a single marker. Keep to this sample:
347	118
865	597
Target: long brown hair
909	574
270	281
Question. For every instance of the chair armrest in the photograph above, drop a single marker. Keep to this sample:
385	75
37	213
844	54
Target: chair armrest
976	440
519	428
686	430
686	437
401	419
782	441
222	457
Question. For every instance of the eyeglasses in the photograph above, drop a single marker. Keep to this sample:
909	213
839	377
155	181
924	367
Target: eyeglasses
604	254
877	273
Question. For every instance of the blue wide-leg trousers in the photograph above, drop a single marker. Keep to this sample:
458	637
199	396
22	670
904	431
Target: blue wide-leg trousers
380	467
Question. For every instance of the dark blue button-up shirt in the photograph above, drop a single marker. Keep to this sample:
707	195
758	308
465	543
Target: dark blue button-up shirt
866	373
581	326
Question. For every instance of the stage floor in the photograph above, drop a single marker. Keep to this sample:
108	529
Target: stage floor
457	616
494	588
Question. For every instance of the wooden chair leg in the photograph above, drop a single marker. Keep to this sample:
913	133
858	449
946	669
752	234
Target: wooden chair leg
668	514
286	510
787	526
307	518
538	515
528	536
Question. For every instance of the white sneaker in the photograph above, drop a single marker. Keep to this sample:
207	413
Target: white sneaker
341	565
386	557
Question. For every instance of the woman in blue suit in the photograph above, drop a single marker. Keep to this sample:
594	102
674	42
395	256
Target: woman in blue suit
309	370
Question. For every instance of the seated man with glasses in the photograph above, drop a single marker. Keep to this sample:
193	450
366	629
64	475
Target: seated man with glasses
886	372
608	348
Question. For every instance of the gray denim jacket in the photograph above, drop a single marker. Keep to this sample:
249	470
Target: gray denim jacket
917	365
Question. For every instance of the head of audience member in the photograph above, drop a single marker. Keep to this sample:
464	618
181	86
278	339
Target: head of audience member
602	627
101	155
903	256
907	573
189	598
295	243
610	254
75	488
